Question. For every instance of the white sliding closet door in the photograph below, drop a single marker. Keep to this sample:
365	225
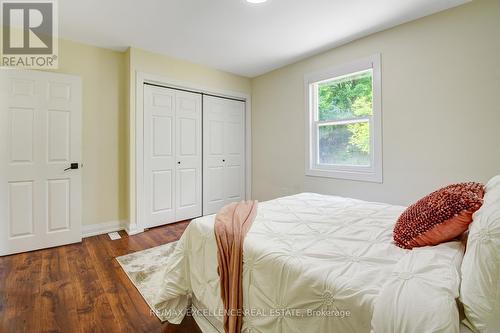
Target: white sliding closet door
188	156
172	155
159	155
223	152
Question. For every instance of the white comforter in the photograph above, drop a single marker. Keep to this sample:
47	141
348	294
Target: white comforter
316	263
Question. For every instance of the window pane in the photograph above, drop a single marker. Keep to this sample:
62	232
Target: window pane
346	98
346	144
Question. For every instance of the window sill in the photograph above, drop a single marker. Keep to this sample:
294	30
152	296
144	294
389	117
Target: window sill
373	177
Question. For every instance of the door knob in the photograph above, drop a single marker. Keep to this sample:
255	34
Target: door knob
179	162
223	160
73	166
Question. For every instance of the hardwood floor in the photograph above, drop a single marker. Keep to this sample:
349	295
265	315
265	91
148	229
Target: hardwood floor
81	288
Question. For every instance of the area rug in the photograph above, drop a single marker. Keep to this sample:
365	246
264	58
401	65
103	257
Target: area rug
145	269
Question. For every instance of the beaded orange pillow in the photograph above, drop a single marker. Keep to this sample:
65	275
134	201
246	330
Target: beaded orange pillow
438	217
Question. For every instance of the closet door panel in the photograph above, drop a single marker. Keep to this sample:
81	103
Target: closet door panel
223	144
213	155
215	181
163	182
188	156
159	168
233	183
234	178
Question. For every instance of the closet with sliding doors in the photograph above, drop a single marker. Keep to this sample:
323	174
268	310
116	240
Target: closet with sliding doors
194	154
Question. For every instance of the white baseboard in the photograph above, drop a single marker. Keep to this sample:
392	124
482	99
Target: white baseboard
102	228
133	229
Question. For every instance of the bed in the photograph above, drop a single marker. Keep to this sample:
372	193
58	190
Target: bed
318	263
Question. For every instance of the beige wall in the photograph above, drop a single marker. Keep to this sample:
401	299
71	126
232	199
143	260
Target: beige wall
172	68
178	70
108	77
108	80
104	117
441	82
441	109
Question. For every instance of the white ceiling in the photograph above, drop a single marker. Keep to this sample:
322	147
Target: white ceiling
233	35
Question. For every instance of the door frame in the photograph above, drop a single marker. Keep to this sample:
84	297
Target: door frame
136	139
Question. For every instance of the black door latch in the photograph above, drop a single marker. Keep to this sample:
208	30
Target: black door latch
72	167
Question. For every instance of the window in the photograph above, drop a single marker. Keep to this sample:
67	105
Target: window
344	126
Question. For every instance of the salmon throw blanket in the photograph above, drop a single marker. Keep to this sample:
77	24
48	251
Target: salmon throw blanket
232	223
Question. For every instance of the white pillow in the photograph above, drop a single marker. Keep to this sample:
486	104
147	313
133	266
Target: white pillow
480	288
420	296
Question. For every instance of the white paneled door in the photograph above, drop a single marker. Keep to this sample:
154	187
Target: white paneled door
172	155
223	152
188	151
40	155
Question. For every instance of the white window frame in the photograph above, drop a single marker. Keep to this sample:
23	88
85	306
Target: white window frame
372	173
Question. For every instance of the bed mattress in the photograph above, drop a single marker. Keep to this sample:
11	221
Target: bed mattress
317	263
